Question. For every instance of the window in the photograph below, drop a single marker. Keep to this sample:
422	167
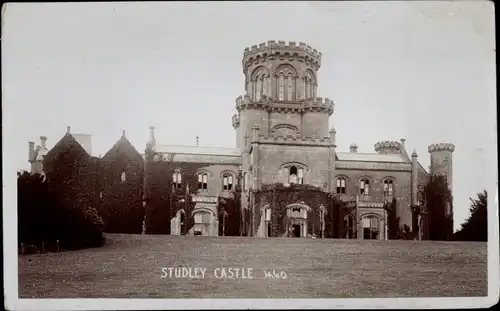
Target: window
281	87
370	227
340	185
202	181
258	91
309	85
227	182
388	187
289	90
298	212
177	179
292	179
123	177
300	179
364	186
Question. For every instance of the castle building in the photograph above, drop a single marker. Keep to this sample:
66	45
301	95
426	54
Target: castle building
285	174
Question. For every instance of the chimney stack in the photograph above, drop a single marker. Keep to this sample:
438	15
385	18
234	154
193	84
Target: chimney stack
31	151
43	142
197	141
68	129
353	148
333	134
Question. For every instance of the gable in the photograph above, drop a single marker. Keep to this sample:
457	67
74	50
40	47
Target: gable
122	148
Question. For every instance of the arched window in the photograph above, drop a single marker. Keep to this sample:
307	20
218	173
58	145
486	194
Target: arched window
258	91
293	172
281	87
202	181
309	85
341	185
123	177
289	89
227	182
364	185
388	187
177	179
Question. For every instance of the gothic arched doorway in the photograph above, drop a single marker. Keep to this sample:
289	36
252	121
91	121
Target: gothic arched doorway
297	220
371	225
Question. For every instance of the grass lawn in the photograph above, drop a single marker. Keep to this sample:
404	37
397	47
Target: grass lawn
130	266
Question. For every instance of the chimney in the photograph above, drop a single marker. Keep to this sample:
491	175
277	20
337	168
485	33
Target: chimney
43	142
31	151
123	133
353	148
68	129
403	144
197	141
152	140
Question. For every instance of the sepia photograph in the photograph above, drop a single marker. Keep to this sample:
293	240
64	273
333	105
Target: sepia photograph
249	155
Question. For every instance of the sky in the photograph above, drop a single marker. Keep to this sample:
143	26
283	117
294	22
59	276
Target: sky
423	71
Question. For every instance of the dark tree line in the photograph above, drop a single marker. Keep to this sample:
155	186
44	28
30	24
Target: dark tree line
47	216
475	228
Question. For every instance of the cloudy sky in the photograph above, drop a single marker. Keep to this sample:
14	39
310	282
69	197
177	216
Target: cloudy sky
424	71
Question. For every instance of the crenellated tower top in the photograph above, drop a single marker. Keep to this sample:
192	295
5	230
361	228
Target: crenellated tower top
281	49
387	147
441	147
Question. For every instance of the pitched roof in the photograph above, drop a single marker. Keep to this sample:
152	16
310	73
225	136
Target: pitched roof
123	145
197	150
370	157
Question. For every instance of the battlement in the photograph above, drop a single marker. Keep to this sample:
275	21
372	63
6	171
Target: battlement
294	139
388	147
291	48
317	104
236	120
441	147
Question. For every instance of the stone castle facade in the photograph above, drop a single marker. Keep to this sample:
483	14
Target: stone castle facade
286	174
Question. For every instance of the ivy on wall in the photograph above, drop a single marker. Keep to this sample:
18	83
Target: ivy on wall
278	197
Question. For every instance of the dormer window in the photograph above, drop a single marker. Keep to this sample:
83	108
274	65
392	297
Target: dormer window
388	187
296	175
177	180
227	182
123	177
364	186
341	185
202	181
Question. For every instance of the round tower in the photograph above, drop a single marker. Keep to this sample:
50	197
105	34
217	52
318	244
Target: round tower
441	161
281	92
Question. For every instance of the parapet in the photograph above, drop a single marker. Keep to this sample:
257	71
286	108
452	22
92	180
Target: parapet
279	48
295	139
441	147
388	147
319	104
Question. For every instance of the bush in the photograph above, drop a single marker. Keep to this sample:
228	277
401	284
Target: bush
45	217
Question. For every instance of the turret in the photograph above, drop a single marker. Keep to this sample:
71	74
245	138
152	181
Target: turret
441	161
255	133
414	178
388	147
353	148
333	136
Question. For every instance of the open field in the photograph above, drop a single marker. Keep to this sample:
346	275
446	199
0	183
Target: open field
130	266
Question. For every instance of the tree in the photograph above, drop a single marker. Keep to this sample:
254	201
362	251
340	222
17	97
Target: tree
475	228
392	219
438	198
44	216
